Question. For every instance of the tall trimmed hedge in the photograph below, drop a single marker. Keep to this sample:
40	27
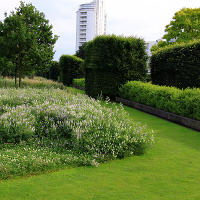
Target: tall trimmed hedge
177	65
71	67
54	71
110	61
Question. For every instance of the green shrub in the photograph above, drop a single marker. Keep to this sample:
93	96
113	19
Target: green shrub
71	67
177	65
79	82
111	61
182	102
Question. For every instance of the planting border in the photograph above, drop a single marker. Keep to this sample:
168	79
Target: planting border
187	122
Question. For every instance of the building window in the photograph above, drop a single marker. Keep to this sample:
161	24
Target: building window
83	22
83	26
83	17
83	34
83	13
83	30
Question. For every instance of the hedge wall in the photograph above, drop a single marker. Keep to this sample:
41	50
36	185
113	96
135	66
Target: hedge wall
70	67
54	71
177	65
185	103
110	61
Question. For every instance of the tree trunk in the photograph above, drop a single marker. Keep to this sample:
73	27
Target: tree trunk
15	76
20	79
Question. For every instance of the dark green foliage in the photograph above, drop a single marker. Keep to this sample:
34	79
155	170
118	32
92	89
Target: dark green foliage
54	71
182	102
177	65
81	52
70	67
111	61
6	67
101	83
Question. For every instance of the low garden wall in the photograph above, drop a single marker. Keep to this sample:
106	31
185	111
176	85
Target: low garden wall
187	122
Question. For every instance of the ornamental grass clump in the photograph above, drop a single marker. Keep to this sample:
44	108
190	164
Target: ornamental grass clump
71	125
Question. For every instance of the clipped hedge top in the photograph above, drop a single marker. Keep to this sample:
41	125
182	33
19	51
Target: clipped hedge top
71	58
177	65
114	52
178	46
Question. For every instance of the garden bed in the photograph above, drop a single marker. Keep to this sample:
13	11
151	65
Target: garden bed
46	129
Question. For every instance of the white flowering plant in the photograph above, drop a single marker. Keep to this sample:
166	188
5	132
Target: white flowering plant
73	126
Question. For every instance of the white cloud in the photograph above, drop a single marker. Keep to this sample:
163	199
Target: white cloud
7	6
144	18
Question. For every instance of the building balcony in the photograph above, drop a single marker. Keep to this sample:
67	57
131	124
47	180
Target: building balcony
83	22
83	13
82	34
82	30
83	26
82	40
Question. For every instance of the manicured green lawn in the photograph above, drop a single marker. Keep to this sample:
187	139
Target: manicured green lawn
169	171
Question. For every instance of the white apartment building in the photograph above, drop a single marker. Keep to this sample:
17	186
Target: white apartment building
91	22
148	47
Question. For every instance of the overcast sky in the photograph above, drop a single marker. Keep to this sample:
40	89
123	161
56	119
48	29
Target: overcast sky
142	18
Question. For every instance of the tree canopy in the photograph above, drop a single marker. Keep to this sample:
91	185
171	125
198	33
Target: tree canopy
26	40
185	26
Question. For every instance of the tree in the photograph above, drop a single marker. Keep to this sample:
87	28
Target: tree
81	52
27	40
6	67
185	26
160	44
